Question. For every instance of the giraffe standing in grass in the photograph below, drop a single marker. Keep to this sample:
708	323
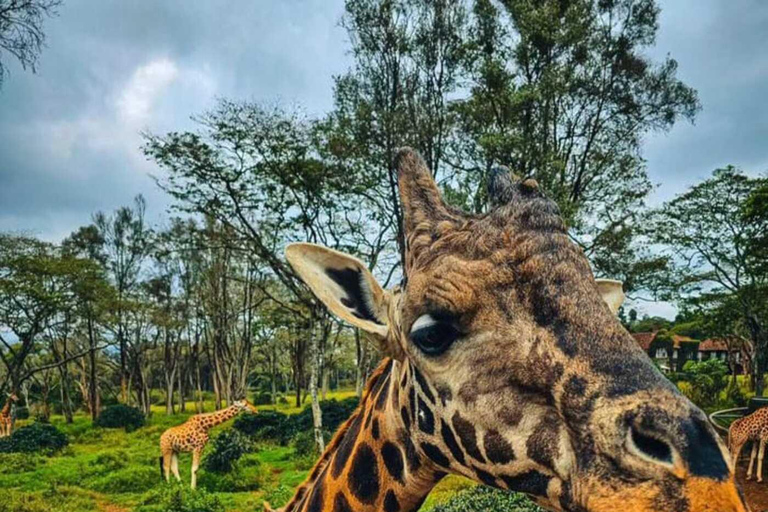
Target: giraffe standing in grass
506	364
6	422
192	436
750	428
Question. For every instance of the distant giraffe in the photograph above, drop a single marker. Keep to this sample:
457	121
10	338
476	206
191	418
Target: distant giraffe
6	422
192	436
505	365
750	428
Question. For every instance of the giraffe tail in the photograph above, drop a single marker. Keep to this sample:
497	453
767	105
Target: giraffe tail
162	472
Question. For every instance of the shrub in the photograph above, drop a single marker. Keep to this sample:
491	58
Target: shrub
279	495
178	497
120	416
18	462
706	380
22	413
127	480
262	399
488	500
37	437
265	426
111	461
246	475
228	447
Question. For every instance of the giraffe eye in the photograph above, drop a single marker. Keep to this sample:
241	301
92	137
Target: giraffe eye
433	335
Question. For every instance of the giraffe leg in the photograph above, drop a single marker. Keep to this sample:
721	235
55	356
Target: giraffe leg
752	458
175	466
167	466
195	465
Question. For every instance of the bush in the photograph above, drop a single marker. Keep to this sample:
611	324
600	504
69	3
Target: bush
178	497
18	462
120	416
22	413
262	399
228	447
111	461
488	500
127	480
37	437
265	426
706	380
247	475
278	496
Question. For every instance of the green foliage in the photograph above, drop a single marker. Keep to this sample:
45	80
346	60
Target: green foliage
37	437
18	462
111	461
279	495
227	448
706	380
304	444
120	416
178	497
281	428
127	480
485	499
245	475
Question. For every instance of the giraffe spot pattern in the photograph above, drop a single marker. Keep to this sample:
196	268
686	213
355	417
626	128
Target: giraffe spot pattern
450	441
345	448
340	503
531	482
498	450
390	502
393	460
468	437
375	429
364	475
423	385
426	419
434	453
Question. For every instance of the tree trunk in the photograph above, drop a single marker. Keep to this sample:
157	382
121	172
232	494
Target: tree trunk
92	390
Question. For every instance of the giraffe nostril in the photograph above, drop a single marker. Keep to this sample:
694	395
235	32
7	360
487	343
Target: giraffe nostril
650	447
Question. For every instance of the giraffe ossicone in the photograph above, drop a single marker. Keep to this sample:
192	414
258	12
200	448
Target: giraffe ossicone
506	365
192	436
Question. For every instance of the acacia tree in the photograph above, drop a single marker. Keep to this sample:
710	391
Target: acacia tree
709	240
257	175
563	91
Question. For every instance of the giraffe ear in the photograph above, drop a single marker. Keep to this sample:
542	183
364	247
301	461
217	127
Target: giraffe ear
343	284
612	292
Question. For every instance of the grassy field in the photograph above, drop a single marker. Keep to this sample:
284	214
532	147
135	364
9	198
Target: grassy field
113	471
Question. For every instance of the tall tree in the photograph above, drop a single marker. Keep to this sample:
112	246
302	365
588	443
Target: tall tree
709	240
564	92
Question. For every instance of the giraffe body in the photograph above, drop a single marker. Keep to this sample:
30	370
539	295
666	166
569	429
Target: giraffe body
506	365
192	436
6	421
752	428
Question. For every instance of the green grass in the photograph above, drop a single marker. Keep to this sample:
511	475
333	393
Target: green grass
114	471
109	470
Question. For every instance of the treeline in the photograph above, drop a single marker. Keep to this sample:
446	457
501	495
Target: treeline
559	90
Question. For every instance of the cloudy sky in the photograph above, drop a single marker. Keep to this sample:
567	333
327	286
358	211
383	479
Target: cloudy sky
70	134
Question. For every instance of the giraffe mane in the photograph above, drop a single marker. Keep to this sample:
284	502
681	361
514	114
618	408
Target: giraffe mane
325	458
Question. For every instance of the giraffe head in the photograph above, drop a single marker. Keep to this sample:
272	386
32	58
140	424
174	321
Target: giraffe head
13	397
245	405
524	379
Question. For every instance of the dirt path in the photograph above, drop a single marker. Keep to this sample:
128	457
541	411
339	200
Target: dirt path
756	494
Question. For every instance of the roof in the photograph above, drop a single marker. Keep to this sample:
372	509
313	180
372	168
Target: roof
713	345
644	339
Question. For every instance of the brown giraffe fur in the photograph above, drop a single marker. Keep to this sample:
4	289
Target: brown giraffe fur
750	428
6	421
504	366
192	436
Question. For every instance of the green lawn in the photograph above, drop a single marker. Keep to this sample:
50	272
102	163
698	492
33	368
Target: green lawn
111	470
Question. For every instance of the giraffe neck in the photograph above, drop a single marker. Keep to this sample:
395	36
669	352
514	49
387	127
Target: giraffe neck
371	463
212	419
6	408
